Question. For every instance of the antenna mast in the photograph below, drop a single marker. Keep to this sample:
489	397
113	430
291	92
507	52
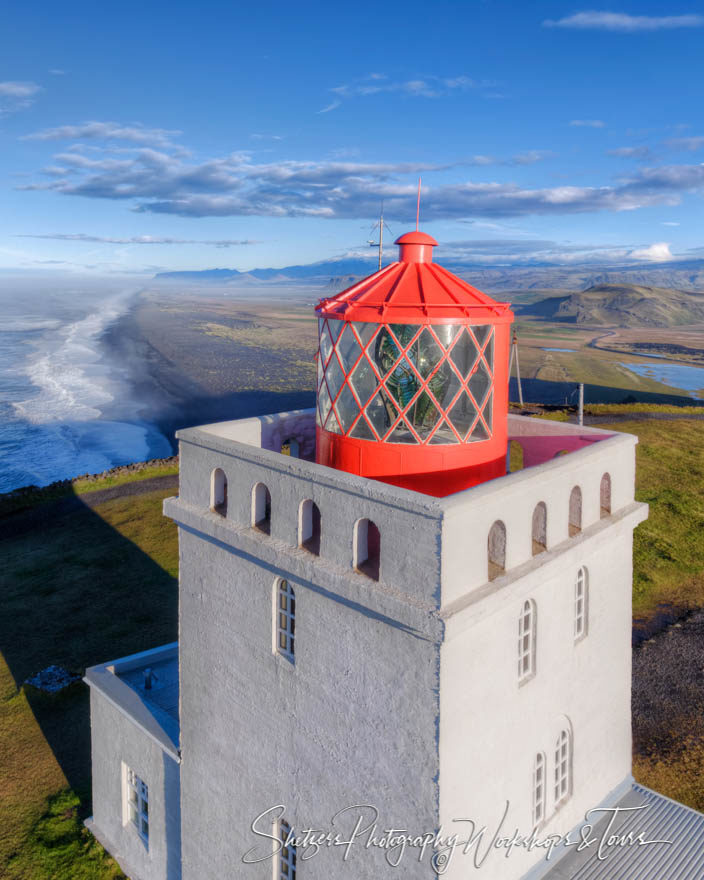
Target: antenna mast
380	225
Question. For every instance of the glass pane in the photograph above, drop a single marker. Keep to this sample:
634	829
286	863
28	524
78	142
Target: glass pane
446	333
489	354
401	434
347	409
423	415
381	413
386	352
325	345
335	327
444	434
348	349
426	353
464	354
481	332
320	371
365	331
323	403
403	383
145	827
444	385
335	376
463	414
488	408
404	332
364	381
332	424
133	796
133	815
362	430
480	383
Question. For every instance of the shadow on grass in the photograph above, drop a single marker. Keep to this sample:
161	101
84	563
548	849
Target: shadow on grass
542	391
82	586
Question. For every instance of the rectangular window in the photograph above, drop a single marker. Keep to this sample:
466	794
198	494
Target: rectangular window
287	855
136	802
526	642
539	789
562	767
285	620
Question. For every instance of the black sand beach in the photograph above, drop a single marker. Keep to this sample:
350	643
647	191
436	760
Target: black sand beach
198	357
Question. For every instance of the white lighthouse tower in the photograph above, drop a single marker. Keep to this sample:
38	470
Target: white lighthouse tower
398	629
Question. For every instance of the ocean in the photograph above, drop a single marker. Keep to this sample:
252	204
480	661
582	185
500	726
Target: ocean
66	409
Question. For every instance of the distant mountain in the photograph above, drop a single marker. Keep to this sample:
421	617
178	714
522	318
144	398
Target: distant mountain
336	274
623	305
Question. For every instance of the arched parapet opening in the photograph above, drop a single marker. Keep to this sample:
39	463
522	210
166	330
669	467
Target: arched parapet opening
261	508
367	548
540	528
496	550
218	492
309	523
605	496
575	512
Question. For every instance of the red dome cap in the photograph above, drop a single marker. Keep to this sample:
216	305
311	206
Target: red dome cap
414	290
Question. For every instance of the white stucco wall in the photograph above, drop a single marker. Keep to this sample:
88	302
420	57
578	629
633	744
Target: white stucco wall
404	693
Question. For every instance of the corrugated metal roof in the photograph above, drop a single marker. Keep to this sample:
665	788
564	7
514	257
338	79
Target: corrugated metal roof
661	819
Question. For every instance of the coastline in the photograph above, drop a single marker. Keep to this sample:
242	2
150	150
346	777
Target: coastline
180	376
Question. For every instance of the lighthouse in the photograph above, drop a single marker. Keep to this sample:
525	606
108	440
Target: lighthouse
380	628
413	376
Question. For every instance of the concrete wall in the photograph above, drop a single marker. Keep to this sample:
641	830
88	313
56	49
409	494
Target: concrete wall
492	726
469	515
404	692
115	738
353	721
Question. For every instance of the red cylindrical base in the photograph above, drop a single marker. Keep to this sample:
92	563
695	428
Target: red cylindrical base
437	471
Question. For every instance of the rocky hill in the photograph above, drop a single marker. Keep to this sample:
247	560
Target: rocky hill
622	305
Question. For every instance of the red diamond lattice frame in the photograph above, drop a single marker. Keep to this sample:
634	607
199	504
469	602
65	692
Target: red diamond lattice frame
405	383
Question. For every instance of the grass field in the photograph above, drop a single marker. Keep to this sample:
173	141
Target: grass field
97	583
101	583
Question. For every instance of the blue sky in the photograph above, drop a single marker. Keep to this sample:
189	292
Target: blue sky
158	135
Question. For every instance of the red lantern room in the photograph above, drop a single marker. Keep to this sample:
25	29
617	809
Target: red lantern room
413	376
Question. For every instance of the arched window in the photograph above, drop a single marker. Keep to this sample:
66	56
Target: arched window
515	456
540	528
287	854
291	447
575	522
367	548
496	547
526	641
309	526
218	492
539	789
581	603
261	508
605	496
285	619
563	767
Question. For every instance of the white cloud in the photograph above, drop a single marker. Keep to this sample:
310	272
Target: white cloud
655	253
426	87
641	152
55	71
670	223
332	106
691	144
17	95
624	23
14	89
588	123
137	239
109	131
169	182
